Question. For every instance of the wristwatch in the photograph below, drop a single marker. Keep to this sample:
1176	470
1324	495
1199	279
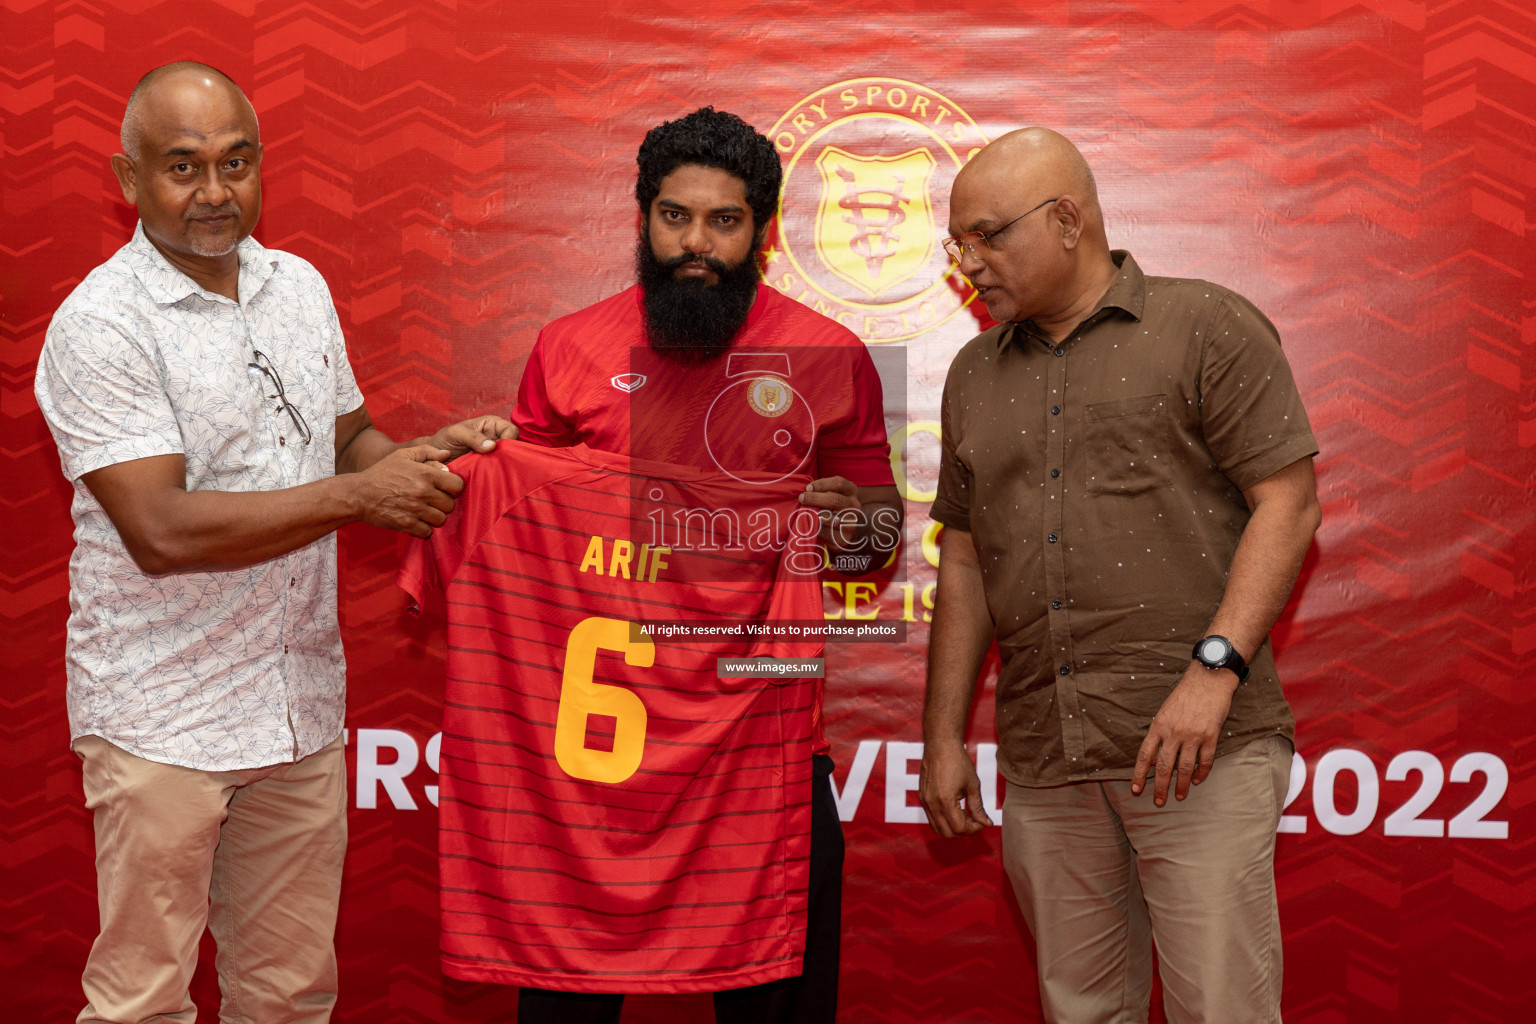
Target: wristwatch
1217	652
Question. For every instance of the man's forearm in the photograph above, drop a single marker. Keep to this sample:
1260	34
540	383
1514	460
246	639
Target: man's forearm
223	530
1182	739
957	645
948	784
168	529
1269	557
360	444
367	447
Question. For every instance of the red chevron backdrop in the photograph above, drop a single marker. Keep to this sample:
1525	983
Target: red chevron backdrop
460	171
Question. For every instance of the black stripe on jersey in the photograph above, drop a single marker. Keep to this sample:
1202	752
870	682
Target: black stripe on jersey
563	823
757	867
776	744
504	687
728	556
629	600
541	626
649	946
658	975
501	689
772	743
509	901
611	680
650	714
758	572
562	777
684	699
676	796
644	928
651	736
486	790
598	511
584	855
745	757
720	648
770	766
484	803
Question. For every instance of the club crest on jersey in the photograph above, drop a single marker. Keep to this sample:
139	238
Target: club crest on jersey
769	396
628	383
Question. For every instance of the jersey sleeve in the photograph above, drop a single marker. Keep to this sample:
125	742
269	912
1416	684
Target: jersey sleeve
428	564
858	448
418	572
101	392
535	416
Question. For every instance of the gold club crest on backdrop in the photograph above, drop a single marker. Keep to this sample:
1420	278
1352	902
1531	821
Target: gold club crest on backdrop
867	168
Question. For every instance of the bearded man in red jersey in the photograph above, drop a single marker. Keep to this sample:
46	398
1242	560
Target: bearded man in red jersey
702	364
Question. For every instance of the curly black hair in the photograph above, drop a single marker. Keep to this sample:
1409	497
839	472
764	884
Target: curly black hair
711	138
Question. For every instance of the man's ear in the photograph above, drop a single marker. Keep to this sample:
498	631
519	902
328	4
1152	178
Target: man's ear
127	177
1070	218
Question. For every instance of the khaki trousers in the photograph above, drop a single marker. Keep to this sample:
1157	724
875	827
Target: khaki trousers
255	856
1102	875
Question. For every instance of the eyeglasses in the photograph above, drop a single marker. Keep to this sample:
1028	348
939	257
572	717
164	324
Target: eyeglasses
958	245
264	364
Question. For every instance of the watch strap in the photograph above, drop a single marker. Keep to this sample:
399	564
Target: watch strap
1232	661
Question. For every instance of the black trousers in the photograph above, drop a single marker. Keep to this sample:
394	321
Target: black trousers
810	998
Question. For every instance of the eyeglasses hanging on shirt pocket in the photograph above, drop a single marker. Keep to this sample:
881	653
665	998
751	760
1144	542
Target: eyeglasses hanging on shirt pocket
262	363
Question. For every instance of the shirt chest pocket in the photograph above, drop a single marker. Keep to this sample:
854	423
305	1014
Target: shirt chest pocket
309	374
1128	445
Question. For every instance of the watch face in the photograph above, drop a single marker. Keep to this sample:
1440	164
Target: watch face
1213	650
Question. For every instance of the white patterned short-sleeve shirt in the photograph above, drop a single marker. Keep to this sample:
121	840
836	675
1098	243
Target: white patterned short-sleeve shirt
211	670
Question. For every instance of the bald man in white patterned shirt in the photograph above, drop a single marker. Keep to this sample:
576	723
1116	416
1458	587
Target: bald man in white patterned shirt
198	387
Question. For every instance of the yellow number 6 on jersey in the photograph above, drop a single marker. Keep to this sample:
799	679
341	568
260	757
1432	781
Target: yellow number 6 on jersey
581	695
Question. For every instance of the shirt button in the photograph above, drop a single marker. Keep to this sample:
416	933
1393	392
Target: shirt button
285	648
1055	473
1055	410
1051	538
293	581
1056	605
1066	670
282	440
1061	351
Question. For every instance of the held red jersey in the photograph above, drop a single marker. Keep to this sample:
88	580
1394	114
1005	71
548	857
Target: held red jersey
797	393
614	815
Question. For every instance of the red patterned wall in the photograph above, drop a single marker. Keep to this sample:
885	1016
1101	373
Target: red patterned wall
461	174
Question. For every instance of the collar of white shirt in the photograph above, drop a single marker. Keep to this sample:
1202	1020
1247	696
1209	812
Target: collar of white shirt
167	286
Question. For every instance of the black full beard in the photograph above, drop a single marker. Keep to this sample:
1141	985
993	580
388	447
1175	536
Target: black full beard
690	321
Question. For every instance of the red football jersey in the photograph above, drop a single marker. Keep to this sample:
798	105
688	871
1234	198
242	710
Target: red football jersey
796	393
614	816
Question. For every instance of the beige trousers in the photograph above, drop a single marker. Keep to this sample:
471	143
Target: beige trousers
255	856
1102	875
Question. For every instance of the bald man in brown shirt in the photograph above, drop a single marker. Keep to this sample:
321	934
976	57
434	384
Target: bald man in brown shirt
1126	476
